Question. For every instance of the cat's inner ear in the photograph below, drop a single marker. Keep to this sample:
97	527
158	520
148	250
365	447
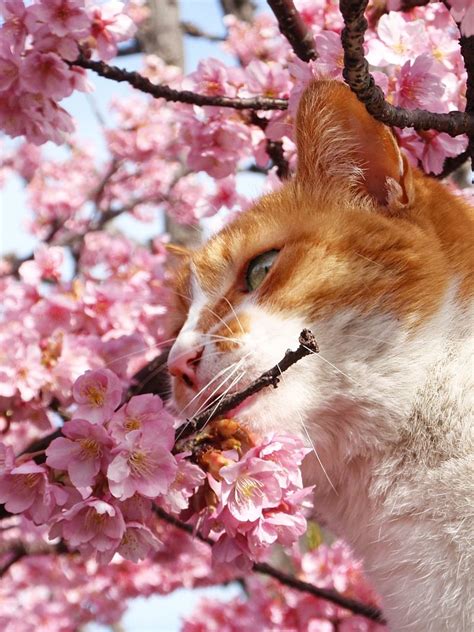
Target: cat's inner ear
338	140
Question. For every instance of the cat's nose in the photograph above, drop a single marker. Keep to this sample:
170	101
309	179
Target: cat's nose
183	364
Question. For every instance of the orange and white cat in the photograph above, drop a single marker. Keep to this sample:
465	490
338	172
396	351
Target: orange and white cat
376	259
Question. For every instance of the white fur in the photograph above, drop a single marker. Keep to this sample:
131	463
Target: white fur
389	412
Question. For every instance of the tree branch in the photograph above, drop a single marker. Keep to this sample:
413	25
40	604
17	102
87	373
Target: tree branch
368	611
20	550
294	29
356	73
467	52
162	91
192	30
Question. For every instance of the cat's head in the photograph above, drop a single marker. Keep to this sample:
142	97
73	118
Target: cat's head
339	250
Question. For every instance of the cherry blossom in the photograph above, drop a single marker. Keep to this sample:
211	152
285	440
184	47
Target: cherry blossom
91	523
98	394
144	413
139	466
463	12
109	25
25	489
83	453
46	264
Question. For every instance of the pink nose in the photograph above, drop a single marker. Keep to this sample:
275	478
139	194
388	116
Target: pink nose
184	365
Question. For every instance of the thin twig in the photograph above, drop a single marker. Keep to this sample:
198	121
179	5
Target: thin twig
18	553
366	610
20	550
356	73
451	164
274	148
162	91
271	377
192	30
294	29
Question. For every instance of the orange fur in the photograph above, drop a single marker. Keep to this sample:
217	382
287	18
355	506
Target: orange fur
339	246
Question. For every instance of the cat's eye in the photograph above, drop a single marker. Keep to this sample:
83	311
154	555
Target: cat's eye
258	269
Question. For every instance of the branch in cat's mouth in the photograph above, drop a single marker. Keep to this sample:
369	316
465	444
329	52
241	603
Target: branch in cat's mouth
271	377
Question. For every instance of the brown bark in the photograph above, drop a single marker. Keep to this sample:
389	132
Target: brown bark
161	33
242	9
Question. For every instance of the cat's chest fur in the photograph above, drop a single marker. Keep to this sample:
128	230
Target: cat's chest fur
408	509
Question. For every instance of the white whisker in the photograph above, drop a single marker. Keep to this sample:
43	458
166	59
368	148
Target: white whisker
316	453
216	377
235	314
319	355
140	351
221	397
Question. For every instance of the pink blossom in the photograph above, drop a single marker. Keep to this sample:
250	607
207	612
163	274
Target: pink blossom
23	372
215	78
331	54
398	40
216	146
98	394
271	80
25	489
418	84
137	542
13	31
46	73
7	459
9	71
248	486
62	16
83	453
47	264
66	47
109	25
188	478
431	148
140	467
146	414
91	522
463	12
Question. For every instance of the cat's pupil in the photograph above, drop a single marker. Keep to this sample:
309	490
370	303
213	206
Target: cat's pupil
258	269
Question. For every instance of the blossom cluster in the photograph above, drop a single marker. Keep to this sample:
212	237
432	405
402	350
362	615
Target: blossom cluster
415	56
111	314
37	41
96	486
61	592
272	606
99	478
259	500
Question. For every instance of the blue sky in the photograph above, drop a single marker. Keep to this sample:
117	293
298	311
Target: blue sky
155	614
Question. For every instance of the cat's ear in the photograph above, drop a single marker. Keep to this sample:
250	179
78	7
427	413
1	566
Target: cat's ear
178	251
338	140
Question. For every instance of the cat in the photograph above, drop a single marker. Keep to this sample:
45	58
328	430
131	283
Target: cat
376	259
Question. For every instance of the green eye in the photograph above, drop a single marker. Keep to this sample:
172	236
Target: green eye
258	269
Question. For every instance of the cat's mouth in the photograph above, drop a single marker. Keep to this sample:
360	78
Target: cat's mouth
211	405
